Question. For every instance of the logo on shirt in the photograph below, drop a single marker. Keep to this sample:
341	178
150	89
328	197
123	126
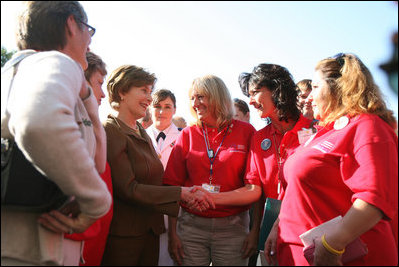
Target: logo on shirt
324	146
86	122
237	148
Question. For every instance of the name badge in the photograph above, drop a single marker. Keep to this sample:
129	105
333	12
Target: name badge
211	188
304	135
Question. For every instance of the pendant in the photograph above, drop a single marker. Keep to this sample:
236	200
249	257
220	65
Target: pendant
210	153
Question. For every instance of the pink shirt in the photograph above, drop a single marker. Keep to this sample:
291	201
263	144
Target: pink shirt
358	160
262	169
189	164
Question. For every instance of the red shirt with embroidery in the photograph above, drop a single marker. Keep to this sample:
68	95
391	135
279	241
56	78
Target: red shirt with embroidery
324	177
262	166
189	163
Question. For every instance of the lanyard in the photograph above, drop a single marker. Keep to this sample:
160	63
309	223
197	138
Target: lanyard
279	161
209	151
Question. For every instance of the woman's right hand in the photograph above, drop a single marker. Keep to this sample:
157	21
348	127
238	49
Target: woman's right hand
60	223
196	198
175	248
271	245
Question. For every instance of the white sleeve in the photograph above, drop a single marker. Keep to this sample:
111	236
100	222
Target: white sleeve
42	120
100	157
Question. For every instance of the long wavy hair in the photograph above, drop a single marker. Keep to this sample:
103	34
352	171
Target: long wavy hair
352	90
278	80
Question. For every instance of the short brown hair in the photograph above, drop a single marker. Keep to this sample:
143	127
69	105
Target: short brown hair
241	105
161	95
123	78
41	24
305	84
95	63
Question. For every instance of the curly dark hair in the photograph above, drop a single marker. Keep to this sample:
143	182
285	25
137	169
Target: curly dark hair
278	80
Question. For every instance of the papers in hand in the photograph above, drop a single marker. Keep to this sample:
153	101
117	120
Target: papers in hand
354	250
316	232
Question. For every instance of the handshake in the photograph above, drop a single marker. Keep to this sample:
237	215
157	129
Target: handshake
197	198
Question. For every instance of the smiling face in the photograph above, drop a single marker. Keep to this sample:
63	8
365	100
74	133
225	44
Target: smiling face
136	101
261	99
200	104
318	96
162	113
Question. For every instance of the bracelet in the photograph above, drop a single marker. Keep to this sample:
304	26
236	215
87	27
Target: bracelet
329	248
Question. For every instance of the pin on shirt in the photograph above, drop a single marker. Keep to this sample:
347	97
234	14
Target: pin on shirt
266	143
341	123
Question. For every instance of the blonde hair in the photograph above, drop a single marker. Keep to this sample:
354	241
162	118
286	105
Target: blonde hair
352	90
220	102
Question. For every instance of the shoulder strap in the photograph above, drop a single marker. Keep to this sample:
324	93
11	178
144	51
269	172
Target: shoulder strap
14	63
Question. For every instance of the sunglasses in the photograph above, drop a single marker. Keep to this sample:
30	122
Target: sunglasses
340	59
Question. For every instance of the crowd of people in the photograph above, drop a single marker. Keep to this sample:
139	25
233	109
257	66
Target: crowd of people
147	189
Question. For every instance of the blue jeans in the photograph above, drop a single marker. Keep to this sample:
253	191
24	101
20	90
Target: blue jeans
216	240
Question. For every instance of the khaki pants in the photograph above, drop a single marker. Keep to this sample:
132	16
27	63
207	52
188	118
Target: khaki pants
213	240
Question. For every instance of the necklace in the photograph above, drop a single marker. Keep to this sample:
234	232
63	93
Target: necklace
279	161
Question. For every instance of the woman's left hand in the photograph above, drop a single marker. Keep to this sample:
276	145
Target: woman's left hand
322	257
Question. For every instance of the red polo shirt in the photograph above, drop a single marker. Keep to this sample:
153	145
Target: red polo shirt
96	235
341	164
189	164
262	169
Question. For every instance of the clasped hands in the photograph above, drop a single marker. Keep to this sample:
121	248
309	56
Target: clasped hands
197	198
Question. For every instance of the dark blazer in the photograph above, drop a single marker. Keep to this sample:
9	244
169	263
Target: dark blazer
140	200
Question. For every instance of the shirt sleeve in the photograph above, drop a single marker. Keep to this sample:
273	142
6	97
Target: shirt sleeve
252	168
176	171
372	170
91	106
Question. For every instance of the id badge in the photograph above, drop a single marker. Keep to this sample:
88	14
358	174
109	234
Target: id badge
304	135
211	188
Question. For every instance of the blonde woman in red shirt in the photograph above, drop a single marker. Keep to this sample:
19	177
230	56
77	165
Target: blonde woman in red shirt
211	154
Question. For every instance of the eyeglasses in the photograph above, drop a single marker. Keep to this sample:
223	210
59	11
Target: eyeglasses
340	59
91	29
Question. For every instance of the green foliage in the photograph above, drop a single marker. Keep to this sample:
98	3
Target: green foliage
5	55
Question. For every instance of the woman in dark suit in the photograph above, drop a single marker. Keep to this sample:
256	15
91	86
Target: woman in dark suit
140	200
